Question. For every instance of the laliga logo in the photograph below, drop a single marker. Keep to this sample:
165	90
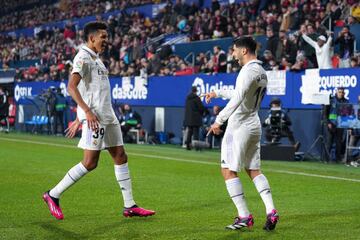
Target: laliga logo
22	92
203	88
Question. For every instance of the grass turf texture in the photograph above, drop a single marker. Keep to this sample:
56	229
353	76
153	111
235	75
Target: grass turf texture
185	188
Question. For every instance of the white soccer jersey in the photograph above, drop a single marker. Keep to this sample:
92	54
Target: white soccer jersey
94	86
245	99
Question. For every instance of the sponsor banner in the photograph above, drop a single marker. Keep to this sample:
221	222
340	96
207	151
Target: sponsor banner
171	91
324	82
30	90
7	76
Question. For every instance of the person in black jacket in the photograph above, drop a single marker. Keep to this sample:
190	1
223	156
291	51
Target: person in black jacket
330	114
59	113
272	41
193	116
346	46
4	108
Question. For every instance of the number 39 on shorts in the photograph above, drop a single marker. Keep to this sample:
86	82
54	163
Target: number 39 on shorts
99	133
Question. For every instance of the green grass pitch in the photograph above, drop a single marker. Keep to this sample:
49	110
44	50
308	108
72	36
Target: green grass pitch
315	201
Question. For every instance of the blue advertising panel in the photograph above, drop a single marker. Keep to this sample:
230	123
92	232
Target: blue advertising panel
171	91
327	81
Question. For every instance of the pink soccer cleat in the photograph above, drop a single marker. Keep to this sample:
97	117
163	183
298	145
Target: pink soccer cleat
241	222
271	220
53	205
137	211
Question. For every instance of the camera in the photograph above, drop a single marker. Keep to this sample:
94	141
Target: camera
275	123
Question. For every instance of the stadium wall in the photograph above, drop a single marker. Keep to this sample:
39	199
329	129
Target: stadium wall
170	92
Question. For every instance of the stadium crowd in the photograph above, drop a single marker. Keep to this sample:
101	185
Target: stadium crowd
61	10
130	52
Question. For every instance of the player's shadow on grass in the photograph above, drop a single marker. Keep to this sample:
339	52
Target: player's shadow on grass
58	232
254	234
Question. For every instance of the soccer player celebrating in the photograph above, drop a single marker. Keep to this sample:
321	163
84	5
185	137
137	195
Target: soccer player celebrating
89	86
241	142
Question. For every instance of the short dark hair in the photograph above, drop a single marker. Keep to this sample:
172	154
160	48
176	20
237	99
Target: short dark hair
275	100
93	27
246	42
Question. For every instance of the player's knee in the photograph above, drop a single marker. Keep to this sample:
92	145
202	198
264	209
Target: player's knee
228	174
122	157
90	165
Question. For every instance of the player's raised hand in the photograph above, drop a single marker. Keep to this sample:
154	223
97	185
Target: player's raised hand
72	129
92	120
209	96
214	129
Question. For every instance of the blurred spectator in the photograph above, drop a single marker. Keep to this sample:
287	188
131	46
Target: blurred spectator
330	115
353	141
354	62
304	46
217	138
69	31
219	60
4	108
60	107
285	48
301	63
129	119
346	46
193	117
272	41
322	49
130	34
267	60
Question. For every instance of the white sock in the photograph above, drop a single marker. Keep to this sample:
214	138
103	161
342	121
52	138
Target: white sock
263	187
123	177
71	177
236	193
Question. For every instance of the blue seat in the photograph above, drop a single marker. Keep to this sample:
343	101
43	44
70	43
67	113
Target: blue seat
43	120
33	121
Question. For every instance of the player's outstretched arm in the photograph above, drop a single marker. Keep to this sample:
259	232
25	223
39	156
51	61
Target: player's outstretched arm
91	118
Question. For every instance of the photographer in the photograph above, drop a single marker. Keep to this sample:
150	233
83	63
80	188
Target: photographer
278	125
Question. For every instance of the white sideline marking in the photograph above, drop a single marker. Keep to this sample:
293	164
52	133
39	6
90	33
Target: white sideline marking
185	160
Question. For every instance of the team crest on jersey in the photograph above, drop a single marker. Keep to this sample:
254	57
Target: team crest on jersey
79	63
95	142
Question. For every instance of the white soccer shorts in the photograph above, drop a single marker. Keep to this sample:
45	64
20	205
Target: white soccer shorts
105	136
240	149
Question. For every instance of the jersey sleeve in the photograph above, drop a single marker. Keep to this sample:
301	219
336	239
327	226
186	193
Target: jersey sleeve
227	94
236	99
80	65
